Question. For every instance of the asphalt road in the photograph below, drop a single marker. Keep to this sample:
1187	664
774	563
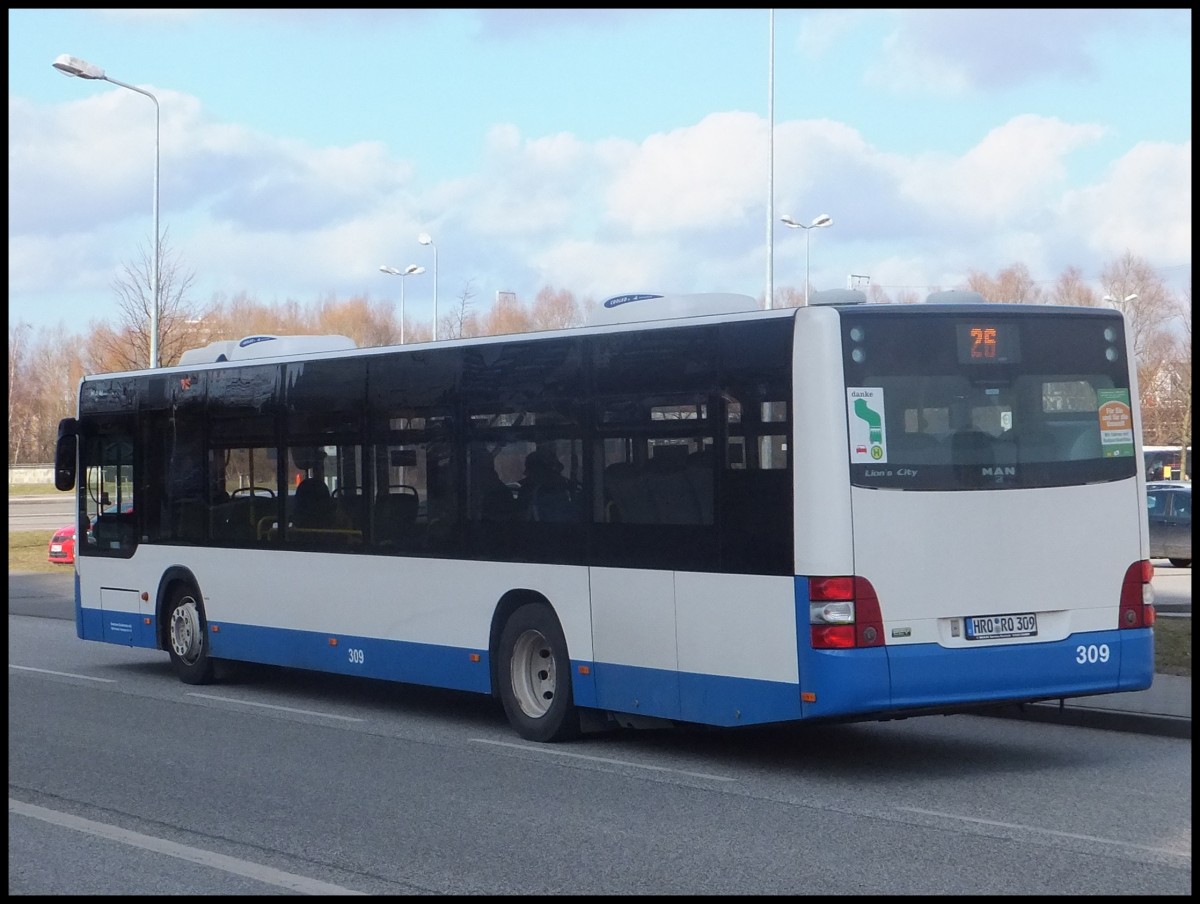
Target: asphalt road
123	780
40	512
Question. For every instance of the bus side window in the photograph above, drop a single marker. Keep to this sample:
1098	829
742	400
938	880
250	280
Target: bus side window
395	514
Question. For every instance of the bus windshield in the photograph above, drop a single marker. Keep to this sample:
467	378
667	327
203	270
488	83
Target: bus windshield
960	401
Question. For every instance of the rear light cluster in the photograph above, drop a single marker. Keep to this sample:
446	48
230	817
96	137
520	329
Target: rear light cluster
843	613
1137	596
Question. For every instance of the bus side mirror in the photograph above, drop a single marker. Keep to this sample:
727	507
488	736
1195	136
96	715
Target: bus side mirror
65	454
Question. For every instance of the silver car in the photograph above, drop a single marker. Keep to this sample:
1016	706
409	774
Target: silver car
1169	509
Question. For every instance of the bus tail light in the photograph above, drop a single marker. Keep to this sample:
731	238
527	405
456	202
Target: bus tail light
843	613
1137	596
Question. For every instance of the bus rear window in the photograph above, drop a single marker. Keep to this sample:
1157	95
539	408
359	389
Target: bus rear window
958	401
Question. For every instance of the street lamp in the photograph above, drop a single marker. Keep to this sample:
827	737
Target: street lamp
77	68
424	239
410	270
820	222
1128	298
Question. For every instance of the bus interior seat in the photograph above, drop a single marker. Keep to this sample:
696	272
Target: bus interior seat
1035	447
916	449
666	481
972	447
395	513
238	519
1085	445
623	486
699	470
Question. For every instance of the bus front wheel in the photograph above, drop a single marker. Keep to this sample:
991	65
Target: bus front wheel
187	637
535	676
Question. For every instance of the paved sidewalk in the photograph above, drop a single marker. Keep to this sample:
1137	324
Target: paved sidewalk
1164	708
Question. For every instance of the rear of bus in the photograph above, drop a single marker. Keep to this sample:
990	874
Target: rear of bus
970	518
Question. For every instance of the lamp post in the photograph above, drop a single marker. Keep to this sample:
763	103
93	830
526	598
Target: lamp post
819	223
1119	301
410	270
770	294
424	239
77	68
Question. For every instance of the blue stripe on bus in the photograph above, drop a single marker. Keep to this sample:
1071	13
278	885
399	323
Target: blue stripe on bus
849	682
845	683
366	657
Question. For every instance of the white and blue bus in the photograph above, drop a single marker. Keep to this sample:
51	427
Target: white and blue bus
839	512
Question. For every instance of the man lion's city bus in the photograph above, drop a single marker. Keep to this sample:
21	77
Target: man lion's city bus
689	511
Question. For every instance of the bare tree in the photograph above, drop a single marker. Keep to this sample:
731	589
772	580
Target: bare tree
1165	384
788	297
461	322
369	325
555	310
507	315
1133	287
21	394
1071	289
1012	285
127	346
44	371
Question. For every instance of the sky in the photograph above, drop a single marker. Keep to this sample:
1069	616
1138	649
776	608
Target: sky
596	151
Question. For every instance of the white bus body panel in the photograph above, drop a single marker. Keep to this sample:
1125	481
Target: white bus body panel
934	558
824	541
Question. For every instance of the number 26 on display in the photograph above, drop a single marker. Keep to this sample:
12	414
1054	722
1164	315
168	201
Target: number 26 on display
1091	653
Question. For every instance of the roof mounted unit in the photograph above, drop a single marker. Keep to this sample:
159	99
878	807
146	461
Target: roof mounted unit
955	296
838	296
264	347
650	306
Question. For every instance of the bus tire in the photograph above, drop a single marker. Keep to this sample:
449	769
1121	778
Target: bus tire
535	676
187	636
1180	563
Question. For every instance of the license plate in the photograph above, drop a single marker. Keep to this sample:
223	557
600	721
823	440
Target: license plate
56	547
995	627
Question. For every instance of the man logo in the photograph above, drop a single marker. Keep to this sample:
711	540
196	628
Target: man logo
1006	471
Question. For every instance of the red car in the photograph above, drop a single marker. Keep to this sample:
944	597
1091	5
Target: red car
62	543
62	546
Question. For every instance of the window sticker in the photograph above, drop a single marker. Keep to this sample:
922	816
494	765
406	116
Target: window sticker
868	432
1116	423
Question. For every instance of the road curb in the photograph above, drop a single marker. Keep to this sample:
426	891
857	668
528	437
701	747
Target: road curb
1063	713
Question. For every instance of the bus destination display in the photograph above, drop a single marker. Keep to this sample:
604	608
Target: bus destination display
988	343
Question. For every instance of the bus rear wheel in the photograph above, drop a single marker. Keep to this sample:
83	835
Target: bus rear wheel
187	637
535	676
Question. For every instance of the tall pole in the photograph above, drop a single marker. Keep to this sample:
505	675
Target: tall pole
75	67
819	223
770	299
154	311
807	246
425	239
410	270
402	282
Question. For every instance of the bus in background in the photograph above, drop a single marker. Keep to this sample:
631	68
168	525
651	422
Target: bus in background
1167	462
688	511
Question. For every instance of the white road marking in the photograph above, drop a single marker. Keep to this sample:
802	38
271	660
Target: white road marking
255	871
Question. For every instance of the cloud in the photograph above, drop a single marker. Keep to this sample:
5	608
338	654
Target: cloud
1144	205
969	51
